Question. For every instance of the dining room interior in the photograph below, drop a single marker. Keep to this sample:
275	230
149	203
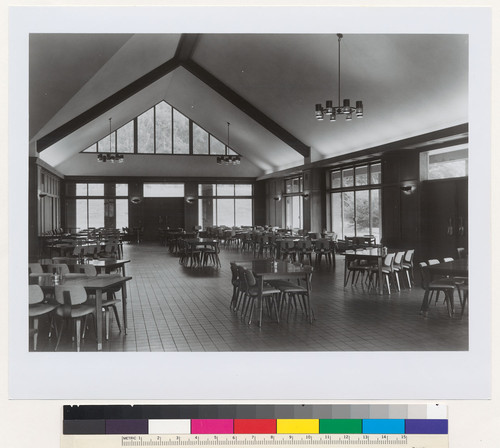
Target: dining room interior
248	192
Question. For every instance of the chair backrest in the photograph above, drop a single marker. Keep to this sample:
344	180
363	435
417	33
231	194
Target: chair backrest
87	269
77	294
409	255
433	261
58	267
242	278
35	294
35	268
389	260
447	259
252	287
234	274
461	252
424	274
398	258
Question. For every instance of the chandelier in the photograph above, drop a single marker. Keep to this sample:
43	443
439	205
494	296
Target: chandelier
111	156
346	109
229	159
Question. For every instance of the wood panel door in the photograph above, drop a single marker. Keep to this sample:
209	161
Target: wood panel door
444	224
161	212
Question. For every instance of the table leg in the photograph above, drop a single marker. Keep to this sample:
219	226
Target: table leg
380	276
124	304
98	317
346	263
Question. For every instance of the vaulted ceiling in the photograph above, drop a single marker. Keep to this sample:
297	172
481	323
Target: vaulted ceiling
266	85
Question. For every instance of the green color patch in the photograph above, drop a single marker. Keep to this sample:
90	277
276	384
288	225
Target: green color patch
341	426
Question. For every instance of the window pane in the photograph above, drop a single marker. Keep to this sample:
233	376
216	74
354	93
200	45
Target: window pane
206	189
125	138
181	133
361	175
243	212
297	212
92	148
163	128
348	213
81	214
231	152
336	179
375	173
362	213
216	146
445	170
243	189
158	190
375	215
121	213
145	132
96	189
104	144
337	214
121	189
81	189
225	212
206	213
288	185
348	177
96	212
200	140
225	190
296	185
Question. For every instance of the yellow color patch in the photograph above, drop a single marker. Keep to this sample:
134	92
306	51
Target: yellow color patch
297	426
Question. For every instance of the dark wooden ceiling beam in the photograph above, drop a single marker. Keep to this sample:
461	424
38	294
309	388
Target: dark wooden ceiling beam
242	104
107	104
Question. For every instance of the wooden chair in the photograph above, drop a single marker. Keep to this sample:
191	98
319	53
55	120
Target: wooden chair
387	271
398	267
73	307
35	268
255	294
447	286
38	308
293	292
408	266
325	247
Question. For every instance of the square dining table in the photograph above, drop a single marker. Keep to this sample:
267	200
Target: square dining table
98	285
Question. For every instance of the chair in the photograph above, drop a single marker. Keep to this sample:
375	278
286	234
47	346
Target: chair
35	268
447	286
73	306
398	267
288	250
91	271
304	249
235	281
387	271
357	269
211	253
408	266
291	291
463	295
254	293
37	309
325	247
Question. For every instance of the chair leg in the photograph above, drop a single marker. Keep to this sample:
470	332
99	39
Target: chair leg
35	334
78	328
115	310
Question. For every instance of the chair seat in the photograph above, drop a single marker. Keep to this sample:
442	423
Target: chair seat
441	284
76	311
40	309
292	288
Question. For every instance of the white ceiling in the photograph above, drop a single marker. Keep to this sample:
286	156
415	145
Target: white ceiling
409	85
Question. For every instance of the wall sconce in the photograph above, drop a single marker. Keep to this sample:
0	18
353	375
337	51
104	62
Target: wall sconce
136	200
190	199
305	195
42	195
407	189
277	198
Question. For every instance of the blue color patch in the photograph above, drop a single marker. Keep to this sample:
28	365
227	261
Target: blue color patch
383	426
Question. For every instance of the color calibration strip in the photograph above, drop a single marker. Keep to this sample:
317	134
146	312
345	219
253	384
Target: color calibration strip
248	419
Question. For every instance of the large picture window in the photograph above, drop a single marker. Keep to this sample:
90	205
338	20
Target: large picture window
229	205
355	200
294	188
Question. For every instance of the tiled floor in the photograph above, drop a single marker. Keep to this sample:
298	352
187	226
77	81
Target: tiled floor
174	308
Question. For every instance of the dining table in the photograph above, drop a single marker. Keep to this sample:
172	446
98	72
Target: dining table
107	265
268	269
97	285
455	268
372	255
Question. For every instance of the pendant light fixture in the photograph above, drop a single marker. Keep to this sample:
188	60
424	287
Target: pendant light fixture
229	159
110	157
346	109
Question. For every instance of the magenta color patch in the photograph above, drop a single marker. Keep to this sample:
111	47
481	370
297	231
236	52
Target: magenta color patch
212	426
